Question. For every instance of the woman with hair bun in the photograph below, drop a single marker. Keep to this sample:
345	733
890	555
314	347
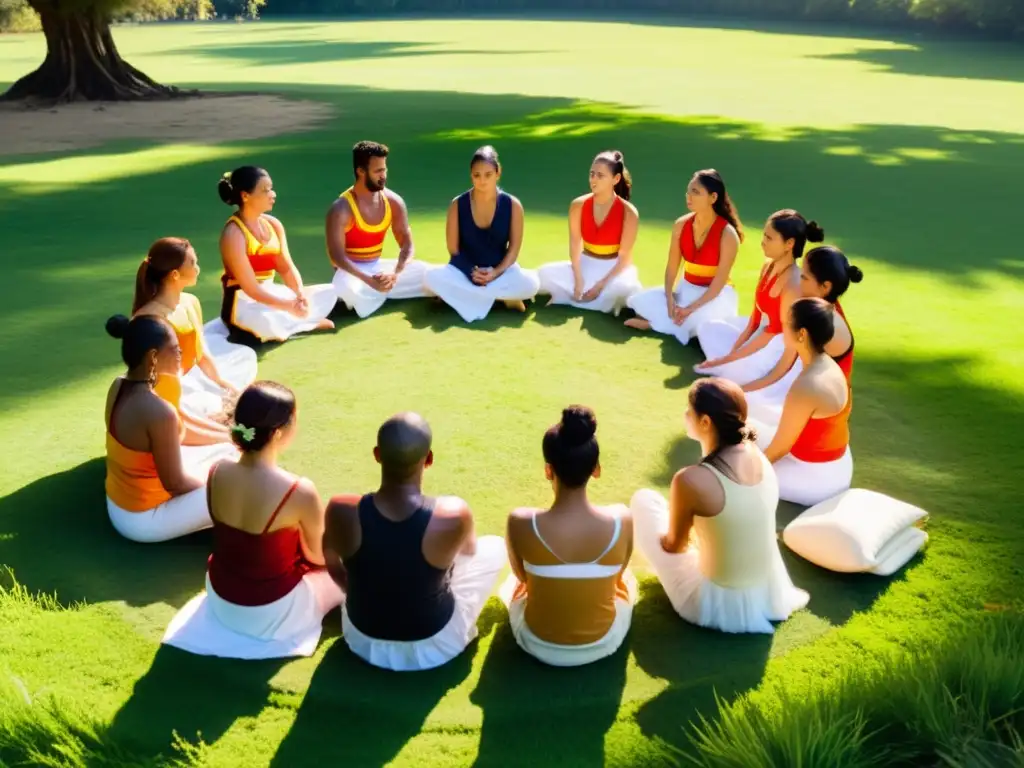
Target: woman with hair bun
484	233
810	448
744	351
267	589
570	596
254	248
600	274
826	274
713	544
153	488
212	369
704	245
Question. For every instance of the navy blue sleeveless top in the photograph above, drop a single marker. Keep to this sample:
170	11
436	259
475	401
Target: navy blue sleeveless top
393	592
482	247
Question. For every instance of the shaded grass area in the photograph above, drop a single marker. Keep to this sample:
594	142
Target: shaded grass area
545	144
937	417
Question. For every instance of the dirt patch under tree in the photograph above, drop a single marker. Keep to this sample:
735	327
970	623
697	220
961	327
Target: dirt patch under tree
210	119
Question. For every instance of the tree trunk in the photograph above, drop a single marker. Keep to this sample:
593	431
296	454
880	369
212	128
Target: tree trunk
82	64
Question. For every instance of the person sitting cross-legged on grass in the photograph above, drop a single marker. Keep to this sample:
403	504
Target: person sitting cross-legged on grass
713	544
570	596
415	574
741	350
484	233
253	247
600	273
153	488
703	248
810	447
356	227
213	370
267	590
826	273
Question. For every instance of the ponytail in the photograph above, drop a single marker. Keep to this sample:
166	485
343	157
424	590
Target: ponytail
724	403
723	206
165	255
145	287
617	164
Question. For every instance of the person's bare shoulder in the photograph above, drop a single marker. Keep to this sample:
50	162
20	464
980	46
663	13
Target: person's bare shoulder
394	198
452	508
631	210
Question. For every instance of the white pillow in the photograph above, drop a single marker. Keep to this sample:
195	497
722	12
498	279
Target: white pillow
858	531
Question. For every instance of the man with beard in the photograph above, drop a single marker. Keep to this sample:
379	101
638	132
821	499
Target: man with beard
357	224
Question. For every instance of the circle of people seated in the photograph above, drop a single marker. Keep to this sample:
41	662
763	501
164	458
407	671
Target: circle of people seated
194	441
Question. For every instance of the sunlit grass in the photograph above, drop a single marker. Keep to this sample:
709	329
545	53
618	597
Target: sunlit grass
895	148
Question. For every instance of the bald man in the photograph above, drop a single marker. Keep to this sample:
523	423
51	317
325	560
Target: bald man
415	574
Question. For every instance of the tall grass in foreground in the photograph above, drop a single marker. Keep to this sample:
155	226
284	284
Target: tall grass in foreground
959	705
44	731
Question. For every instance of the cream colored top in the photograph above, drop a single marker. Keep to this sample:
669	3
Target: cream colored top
736	546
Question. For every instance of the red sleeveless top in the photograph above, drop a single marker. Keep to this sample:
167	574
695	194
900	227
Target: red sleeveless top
364	242
765	303
701	264
255	569
602	241
825	439
262	256
845	360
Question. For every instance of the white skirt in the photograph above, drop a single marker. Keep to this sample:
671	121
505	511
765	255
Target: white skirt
568	655
472	301
650	304
271	324
557	279
716	339
236	364
365	300
698	599
179	515
805	482
208	625
472	581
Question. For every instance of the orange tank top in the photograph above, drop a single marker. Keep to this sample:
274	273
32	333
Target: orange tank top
187	321
701	264
364	242
602	240
133	482
825	439
262	256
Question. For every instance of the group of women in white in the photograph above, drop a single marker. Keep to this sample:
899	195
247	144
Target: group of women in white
771	419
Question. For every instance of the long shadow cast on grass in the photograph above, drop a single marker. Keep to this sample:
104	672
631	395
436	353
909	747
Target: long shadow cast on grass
199	697
531	709
368	714
58	539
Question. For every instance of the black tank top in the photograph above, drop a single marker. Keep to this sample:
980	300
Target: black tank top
393	592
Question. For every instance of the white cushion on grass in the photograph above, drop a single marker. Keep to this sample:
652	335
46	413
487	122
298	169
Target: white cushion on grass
858	531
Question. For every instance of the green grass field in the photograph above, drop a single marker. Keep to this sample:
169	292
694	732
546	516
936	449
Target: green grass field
910	156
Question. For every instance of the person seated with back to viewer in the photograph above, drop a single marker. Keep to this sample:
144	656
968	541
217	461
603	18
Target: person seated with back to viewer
415	574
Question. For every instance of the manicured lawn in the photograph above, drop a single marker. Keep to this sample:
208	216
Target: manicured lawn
909	155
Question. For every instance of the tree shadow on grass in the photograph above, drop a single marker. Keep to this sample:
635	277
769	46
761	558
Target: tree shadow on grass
60	281
300	51
533	709
368	714
969	59
57	538
199	697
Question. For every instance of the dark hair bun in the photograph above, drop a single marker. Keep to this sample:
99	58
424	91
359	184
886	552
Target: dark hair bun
854	273
815	233
578	425
226	191
117	326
